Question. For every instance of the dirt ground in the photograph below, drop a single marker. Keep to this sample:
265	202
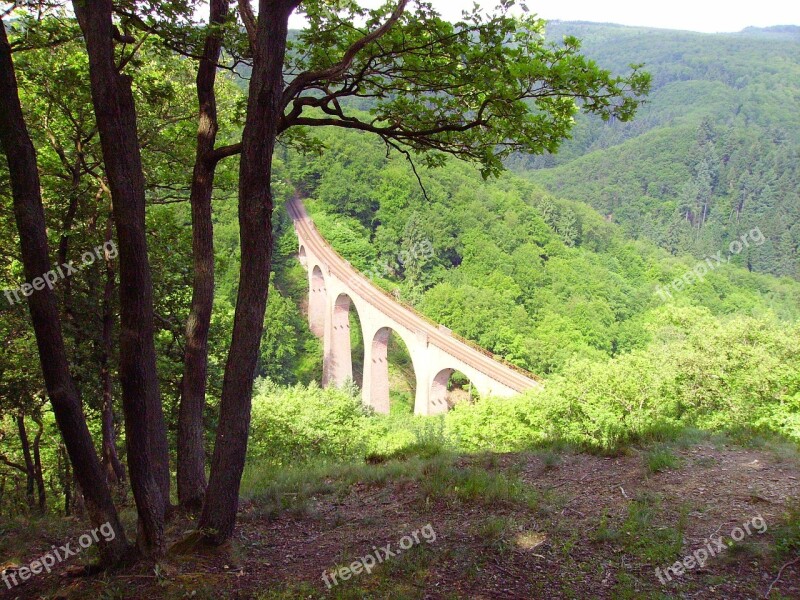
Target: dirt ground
599	528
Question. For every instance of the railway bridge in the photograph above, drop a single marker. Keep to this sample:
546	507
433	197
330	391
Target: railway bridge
435	351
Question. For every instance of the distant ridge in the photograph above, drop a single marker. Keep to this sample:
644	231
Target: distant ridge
788	32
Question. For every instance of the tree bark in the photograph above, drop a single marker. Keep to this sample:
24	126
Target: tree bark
63	459
148	451
30	470
218	517
37	464
63	245
191	451
29	216
115	473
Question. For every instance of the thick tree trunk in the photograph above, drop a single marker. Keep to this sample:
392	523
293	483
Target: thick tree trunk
148	451
255	222
191	451
115	473
29	215
30	470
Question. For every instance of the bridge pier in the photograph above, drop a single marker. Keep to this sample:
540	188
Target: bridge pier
375	387
337	366
317	301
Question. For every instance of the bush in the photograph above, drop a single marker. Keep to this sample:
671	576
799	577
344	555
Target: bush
497	424
291	424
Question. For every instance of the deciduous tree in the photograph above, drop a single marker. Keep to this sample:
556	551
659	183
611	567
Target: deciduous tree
480	89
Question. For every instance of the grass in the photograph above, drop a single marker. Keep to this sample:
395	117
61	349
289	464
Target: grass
22	532
494	532
475	485
509	518
646	530
438	474
787	533
421	449
605	531
551	459
661	459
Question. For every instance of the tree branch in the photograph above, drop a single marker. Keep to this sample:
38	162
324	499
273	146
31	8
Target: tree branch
218	154
390	144
12	464
335	71
249	20
394	132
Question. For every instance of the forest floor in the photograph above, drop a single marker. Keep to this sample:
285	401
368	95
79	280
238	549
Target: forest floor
548	524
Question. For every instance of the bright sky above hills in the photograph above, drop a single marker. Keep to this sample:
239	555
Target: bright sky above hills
693	15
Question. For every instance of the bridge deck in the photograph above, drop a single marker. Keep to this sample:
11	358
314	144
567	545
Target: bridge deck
456	346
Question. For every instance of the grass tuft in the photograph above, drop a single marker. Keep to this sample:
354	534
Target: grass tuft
661	459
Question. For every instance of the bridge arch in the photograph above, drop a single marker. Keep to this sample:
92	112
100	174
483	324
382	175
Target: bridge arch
376	382
439	400
317	301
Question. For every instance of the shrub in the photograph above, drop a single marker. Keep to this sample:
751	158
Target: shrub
498	424
300	422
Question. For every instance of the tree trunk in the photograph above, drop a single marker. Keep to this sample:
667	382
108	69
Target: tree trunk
29	215
115	473
30	470
67	481
37	464
218	517
63	245
148	451
191	451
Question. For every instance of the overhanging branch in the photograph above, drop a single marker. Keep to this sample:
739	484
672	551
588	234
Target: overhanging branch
334	72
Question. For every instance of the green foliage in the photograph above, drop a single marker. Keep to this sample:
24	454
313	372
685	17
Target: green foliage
697	372
711	155
499	426
545	282
52	72
552	286
291	424
481	89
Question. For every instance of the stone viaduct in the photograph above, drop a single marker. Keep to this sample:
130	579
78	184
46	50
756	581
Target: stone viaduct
435	351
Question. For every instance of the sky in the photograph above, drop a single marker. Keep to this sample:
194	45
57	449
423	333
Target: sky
693	15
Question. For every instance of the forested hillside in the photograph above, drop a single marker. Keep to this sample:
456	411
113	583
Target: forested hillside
714	152
534	278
